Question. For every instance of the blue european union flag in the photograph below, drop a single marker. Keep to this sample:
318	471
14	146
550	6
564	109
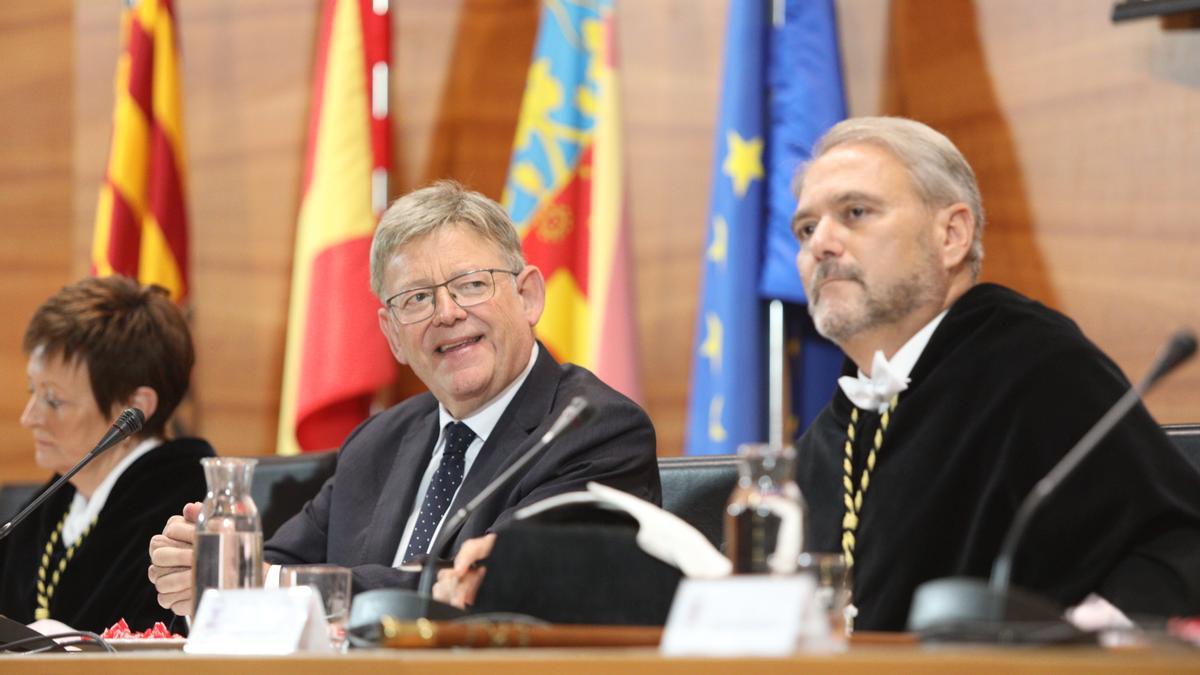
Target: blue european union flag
781	89
726	406
804	77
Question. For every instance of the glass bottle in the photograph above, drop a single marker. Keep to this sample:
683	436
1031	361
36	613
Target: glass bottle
764	520
229	546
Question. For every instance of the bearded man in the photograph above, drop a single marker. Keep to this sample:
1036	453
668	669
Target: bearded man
959	396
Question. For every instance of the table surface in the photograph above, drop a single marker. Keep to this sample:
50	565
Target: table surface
858	659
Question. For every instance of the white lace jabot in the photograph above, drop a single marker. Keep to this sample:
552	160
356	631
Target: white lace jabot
888	377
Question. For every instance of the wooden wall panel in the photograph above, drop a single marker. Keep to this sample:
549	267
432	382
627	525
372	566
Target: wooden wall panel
479	98
35	192
670	61
1085	136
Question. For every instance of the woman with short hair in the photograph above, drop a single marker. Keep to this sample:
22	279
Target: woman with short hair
95	348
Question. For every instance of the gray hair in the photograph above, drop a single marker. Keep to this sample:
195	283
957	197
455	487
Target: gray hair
938	170
422	212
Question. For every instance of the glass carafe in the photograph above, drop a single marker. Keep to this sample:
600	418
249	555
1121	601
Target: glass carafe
229	531
764	520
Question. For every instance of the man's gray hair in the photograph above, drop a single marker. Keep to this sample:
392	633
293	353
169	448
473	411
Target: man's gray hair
422	212
938	170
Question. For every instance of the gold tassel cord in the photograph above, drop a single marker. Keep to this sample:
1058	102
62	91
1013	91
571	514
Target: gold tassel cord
853	498
45	591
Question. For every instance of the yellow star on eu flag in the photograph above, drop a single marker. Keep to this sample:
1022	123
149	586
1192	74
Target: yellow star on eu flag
711	347
719	248
743	161
716	430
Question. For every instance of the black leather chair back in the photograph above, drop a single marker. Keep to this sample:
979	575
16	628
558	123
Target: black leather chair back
697	488
14	497
282	485
1187	439
694	488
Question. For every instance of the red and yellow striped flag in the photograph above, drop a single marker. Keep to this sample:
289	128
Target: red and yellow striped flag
565	190
336	357
141	218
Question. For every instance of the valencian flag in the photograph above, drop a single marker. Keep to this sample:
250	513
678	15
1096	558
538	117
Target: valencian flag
141	217
565	191
337	358
781	89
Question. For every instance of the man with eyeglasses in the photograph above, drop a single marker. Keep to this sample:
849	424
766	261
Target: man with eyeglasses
459	308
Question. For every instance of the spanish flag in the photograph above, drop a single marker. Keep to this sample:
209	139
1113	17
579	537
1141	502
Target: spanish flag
141	218
565	192
336	358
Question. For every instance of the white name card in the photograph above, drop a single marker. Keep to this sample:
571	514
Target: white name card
267	621
742	616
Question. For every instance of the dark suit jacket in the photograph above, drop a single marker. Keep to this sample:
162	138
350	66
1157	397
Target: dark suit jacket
357	518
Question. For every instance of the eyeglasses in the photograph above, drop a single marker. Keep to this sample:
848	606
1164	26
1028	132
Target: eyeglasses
466	290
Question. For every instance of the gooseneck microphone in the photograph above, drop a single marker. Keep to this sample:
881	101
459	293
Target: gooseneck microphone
128	423
409	605
576	412
965	609
1179	349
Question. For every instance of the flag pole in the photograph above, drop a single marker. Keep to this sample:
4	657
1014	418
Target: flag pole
775	374
775	329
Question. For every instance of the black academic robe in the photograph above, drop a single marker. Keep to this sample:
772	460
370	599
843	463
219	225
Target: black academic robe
106	579
1003	389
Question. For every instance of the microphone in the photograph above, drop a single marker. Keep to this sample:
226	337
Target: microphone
1181	347
128	423
577	411
959	608
403	604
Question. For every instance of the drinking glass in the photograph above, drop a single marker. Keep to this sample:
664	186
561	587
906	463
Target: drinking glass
333	584
833	589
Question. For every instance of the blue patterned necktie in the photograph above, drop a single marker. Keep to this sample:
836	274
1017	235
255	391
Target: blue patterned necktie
441	490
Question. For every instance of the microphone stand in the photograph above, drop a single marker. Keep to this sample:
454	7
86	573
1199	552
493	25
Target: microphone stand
965	609
576	411
404	604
